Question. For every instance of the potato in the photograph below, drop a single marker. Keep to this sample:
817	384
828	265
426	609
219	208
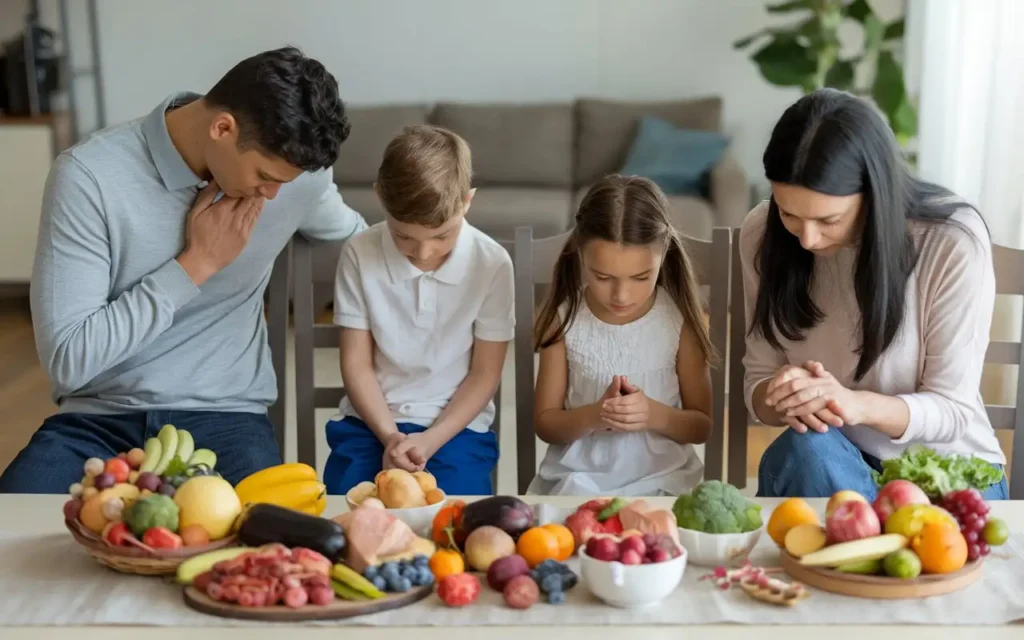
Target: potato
398	489
362	491
426	481
804	539
486	544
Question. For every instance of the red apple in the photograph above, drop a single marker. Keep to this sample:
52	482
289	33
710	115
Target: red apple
839	497
852	520
896	494
603	548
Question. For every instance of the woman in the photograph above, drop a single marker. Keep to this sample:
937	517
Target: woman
869	297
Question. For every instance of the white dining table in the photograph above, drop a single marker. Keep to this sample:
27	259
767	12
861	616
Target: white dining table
42	515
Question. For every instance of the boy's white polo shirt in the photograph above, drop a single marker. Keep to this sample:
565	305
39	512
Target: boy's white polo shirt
424	323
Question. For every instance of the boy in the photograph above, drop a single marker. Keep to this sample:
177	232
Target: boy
425	303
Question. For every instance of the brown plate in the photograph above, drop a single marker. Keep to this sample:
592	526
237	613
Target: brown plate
336	610
881	587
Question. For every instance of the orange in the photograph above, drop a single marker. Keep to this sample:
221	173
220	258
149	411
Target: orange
444	563
536	545
940	548
790	513
566	541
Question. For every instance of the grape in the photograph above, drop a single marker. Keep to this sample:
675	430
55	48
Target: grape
973	552
104	481
971	536
983	548
996	532
148	480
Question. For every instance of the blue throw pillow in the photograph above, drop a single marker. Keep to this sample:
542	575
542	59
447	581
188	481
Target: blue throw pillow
674	159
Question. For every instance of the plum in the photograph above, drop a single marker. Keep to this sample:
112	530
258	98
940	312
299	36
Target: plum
504	569
521	592
148	480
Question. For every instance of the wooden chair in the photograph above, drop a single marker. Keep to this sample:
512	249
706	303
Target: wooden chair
534	261
1009	271
277	329
310	336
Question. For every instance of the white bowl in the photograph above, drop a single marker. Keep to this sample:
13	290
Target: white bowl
419	519
718	549
631	586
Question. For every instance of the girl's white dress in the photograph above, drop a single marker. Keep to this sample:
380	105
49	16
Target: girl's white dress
606	463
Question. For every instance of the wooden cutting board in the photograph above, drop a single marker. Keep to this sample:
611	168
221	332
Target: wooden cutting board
279	613
881	587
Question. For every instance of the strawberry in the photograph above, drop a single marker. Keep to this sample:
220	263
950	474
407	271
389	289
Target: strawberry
459	589
613	525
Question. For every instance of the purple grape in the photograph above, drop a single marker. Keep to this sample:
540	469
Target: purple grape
166	489
104	481
148	480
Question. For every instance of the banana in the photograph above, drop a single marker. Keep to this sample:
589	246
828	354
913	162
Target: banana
202	456
154	450
856	551
350	578
255	484
169	440
346	592
186	445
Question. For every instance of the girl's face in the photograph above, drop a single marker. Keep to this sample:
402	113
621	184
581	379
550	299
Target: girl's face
823	223
620	278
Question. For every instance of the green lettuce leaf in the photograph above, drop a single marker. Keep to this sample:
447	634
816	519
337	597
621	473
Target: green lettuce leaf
938	475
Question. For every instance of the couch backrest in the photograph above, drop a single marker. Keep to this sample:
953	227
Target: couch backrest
372	130
514	144
606	128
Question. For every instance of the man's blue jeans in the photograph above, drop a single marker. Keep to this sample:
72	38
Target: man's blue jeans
53	459
816	465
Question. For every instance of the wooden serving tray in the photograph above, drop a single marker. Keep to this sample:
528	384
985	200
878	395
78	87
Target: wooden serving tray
881	587
336	610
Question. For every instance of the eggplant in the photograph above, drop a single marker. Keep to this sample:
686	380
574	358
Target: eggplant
508	513
265	523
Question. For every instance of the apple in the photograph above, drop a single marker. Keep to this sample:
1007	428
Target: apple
839	497
852	520
896	494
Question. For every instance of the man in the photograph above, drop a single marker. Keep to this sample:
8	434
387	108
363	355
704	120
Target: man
147	290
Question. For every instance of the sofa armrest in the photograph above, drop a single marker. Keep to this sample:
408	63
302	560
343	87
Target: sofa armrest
730	192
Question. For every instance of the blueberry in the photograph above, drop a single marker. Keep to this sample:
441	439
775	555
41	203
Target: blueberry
556	597
426	576
390	570
403	585
569	580
371	573
536	575
421	561
393	583
380	583
551	583
550	564
409	572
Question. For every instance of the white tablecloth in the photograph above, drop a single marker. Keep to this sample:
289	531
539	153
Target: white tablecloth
50	580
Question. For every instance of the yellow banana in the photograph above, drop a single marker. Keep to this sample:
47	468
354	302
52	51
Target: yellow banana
252	486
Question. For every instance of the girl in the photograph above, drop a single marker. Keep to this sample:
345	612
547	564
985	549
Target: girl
623	390
869	295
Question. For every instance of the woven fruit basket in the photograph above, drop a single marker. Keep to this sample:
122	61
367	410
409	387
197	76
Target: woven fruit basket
140	559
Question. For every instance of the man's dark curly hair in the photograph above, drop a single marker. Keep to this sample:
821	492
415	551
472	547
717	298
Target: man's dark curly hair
287	105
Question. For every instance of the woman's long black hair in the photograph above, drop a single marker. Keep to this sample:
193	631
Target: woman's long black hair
832	142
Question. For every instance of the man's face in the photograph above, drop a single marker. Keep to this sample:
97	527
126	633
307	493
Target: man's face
244	172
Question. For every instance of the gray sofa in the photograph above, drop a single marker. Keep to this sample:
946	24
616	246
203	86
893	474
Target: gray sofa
532	163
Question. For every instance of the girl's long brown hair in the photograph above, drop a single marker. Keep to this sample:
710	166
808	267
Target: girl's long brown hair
631	211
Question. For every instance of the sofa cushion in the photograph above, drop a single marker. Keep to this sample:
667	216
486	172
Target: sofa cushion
365	201
607	128
677	160
497	211
691	216
372	130
521	145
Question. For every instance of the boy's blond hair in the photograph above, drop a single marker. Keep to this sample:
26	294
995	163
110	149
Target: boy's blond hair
425	175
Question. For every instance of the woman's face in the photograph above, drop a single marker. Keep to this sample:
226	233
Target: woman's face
822	222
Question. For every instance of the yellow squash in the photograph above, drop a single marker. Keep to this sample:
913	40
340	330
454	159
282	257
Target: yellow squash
291	485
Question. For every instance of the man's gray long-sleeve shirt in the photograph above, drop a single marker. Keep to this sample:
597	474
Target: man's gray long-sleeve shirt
120	326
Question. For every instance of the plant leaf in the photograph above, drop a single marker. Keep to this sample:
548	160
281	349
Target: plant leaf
785	62
894	30
904	121
890	92
840	76
786	7
859	10
743	42
873	31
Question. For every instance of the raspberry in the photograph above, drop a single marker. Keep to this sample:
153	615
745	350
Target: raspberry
459	590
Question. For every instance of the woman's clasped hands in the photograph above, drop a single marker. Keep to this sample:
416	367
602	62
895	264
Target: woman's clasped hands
808	396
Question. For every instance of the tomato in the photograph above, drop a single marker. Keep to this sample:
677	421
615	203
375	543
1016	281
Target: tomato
450	516
161	538
117	534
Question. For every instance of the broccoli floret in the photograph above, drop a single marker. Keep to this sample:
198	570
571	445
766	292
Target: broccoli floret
717	507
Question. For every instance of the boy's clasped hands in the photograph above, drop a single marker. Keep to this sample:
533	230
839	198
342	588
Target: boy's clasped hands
624	407
401	452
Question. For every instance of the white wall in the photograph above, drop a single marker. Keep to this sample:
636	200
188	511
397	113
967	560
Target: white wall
474	50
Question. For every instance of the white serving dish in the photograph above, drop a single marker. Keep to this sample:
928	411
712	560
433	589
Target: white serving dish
718	549
419	519
631	586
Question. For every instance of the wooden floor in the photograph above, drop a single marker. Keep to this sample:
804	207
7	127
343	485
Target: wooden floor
25	391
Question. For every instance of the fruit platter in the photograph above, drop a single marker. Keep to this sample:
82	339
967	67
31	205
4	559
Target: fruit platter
902	545
146	510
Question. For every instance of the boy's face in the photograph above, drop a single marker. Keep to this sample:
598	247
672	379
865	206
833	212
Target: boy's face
426	248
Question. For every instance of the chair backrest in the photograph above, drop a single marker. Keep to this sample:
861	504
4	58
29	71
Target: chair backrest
310	336
277	329
534	262
1008	265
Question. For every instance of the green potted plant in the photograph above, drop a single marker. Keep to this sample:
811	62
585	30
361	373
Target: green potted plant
807	54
